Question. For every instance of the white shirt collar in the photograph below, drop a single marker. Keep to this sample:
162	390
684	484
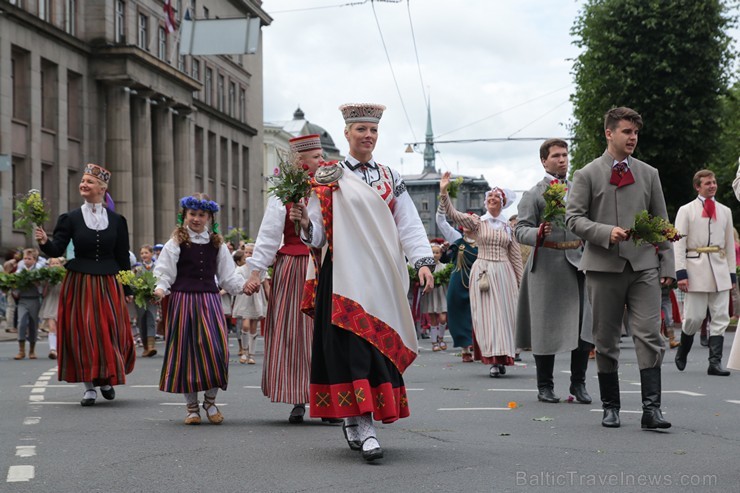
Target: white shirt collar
354	162
204	235
95	208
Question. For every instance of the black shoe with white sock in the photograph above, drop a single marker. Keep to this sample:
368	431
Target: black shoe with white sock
370	447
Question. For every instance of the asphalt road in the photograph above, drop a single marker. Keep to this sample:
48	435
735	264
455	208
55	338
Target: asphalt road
461	436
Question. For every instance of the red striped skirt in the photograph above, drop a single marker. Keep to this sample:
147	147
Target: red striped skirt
94	331
288	334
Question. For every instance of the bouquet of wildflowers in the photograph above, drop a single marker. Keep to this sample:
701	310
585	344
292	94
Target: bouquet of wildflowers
142	283
454	187
291	184
652	229
30	211
554	196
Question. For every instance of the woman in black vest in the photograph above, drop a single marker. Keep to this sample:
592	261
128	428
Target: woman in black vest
94	330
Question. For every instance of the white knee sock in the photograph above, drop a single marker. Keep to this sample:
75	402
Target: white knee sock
442	329
433	331
350	425
252	344
89	391
211	394
245	342
52	341
366	430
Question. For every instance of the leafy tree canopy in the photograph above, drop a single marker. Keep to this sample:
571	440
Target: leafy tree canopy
669	61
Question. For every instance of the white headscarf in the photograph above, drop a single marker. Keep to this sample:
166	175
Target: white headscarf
507	198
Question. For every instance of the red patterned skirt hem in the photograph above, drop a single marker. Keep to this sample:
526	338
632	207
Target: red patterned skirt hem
344	400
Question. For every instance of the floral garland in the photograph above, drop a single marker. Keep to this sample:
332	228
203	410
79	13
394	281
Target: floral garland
198	204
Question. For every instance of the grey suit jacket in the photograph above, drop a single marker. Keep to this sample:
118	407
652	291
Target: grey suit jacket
595	207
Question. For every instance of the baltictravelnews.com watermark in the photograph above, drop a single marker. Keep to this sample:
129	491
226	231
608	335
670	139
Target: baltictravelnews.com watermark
575	478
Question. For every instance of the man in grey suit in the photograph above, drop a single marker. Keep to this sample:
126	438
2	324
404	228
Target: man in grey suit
605	197
554	315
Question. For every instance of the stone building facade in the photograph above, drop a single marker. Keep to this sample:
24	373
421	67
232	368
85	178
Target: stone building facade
101	81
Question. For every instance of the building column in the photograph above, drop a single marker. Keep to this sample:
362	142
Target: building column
6	148
143	187
118	151
184	152
165	207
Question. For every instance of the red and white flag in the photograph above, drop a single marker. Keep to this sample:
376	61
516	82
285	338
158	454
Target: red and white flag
169	17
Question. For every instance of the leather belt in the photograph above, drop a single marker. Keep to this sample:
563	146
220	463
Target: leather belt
562	245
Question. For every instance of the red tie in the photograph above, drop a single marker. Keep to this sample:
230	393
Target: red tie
710	209
620	168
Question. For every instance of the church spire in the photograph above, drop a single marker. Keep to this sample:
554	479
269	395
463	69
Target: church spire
429	161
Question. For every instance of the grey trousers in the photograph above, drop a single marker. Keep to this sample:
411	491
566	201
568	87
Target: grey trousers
639	292
146	320
28	318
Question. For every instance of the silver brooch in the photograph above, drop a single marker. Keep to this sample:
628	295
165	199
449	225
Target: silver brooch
328	174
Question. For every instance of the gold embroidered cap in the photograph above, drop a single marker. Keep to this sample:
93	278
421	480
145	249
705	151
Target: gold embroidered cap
98	172
362	112
305	143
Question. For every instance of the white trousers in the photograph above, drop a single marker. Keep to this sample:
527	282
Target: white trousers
695	308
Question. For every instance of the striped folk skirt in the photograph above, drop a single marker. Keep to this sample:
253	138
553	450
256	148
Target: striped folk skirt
196	355
288	334
494	311
94	331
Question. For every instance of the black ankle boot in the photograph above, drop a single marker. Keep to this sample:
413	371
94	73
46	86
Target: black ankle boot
683	350
610	401
716	344
545	384
578	366
652	417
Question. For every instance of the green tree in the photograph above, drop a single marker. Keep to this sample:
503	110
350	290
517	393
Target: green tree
669	61
724	162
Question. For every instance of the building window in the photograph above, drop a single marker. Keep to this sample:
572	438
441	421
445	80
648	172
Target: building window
425	205
143	32
120	21
206	13
178	10
232	99
220	92
21	83
180	61
209	86
243	105
49	99
17	3
45	10
74	105
196	70
70	20
161	43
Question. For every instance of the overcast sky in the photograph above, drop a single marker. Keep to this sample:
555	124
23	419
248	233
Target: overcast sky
491	69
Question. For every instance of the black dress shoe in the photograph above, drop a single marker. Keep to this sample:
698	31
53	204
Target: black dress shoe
109	394
373	453
296	415
353	444
546	394
88	402
611	418
578	390
502	369
653	419
494	372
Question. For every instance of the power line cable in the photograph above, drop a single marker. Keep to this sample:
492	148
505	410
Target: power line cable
416	52
395	81
506	110
321	7
539	118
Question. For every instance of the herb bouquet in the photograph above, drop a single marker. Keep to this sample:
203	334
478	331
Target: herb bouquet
454	188
291	184
141	283
30	211
554	196
652	229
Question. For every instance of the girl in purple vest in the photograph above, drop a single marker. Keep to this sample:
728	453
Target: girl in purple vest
196	354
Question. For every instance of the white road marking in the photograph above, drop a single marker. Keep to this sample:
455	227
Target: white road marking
144	386
25	450
512	390
38	390
683	392
17	474
252	387
733	402
407	390
474	409
32	420
44	377
52	402
45	385
183	404
35	398
620	411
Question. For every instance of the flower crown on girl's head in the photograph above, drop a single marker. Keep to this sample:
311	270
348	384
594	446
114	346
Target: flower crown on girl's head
198	204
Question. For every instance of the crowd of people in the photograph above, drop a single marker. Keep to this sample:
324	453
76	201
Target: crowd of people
328	282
